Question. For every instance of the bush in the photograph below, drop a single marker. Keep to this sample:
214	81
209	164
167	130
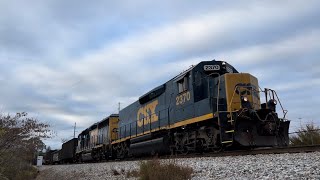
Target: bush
308	135
20	139
29	172
155	170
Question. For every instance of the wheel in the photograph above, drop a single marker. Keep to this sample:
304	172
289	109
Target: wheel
185	150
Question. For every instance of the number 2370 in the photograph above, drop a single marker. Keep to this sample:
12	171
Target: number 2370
182	98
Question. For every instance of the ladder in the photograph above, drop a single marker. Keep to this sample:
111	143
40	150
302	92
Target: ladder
227	127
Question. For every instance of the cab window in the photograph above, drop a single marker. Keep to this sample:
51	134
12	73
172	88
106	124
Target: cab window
183	84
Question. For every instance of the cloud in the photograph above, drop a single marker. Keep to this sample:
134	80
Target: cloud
72	61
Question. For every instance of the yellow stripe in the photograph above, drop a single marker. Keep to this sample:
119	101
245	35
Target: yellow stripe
224	142
175	125
192	120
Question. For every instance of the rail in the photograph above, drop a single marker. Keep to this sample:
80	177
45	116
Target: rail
226	153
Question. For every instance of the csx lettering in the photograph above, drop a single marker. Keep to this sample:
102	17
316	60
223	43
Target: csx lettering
147	114
182	98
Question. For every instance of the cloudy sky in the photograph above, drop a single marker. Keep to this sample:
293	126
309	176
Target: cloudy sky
73	61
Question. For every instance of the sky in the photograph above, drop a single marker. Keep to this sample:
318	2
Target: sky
74	61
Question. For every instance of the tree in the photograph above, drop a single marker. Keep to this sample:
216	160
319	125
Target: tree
308	135
20	138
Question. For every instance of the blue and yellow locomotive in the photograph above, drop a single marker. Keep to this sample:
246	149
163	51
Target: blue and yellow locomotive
209	107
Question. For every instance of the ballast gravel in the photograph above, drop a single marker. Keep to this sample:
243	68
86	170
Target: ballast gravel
271	166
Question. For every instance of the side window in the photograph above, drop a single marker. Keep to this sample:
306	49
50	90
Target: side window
183	84
200	86
197	79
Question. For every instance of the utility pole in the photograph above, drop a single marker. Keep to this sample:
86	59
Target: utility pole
300	121
74	130
119	108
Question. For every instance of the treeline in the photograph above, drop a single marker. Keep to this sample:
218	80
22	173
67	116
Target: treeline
306	135
20	140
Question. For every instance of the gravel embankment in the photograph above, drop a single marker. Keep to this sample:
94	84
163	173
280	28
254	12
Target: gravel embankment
274	166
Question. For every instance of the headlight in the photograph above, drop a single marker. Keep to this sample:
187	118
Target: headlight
223	63
272	102
245	99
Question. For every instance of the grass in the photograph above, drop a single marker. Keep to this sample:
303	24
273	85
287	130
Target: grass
132	173
13	166
30	173
25	173
155	170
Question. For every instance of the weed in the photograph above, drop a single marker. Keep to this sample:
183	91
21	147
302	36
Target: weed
156	170
132	173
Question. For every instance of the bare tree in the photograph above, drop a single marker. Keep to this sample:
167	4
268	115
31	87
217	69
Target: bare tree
20	138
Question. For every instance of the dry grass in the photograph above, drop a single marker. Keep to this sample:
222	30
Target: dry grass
155	170
14	167
28	173
132	173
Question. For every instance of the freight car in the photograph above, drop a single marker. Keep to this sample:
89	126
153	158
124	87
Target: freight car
48	158
68	150
56	157
209	107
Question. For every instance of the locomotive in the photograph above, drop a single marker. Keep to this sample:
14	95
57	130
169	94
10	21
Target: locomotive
209	107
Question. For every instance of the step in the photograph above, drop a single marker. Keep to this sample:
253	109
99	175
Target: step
231	131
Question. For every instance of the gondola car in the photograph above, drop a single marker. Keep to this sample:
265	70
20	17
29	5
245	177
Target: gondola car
68	150
56	157
48	158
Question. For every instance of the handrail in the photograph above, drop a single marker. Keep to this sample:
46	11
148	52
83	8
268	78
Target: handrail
278	99
274	94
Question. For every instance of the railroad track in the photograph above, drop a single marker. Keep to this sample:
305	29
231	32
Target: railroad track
292	149
278	150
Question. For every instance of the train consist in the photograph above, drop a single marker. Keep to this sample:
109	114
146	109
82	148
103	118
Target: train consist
209	107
